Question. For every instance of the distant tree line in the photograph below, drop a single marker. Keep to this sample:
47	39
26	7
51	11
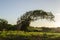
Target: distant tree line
5	26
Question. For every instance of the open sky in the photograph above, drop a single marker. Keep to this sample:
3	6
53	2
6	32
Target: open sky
12	9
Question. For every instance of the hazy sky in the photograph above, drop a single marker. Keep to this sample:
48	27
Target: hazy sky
12	9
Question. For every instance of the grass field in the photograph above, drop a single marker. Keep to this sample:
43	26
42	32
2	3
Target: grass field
14	34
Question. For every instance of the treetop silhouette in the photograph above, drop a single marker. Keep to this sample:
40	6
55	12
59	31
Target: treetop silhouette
24	21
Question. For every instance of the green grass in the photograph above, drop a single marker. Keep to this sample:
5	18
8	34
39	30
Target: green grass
15	35
22	33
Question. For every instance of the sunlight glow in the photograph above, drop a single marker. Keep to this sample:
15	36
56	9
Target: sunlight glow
45	23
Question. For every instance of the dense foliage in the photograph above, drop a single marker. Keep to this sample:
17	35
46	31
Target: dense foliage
5	26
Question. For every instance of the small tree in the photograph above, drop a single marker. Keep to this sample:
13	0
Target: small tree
24	21
3	24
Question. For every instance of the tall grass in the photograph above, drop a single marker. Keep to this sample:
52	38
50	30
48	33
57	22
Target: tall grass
28	35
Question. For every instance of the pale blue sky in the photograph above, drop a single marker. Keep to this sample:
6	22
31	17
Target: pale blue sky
12	9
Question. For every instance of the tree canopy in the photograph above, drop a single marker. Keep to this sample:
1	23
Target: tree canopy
24	21
3	24
3	21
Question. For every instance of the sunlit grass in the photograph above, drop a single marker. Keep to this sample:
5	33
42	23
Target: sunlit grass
22	33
